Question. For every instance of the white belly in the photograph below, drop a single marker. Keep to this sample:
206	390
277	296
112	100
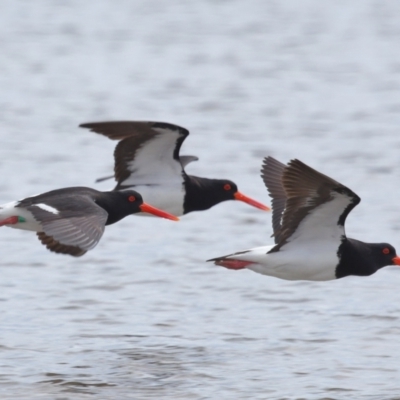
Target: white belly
316	262
292	270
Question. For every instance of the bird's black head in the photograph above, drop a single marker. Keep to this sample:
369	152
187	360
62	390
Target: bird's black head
229	191
225	189
364	259
384	254
131	201
204	193
120	204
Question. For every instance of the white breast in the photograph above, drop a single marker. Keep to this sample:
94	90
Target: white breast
168	197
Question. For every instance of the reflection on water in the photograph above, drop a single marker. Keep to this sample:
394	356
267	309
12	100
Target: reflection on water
143	316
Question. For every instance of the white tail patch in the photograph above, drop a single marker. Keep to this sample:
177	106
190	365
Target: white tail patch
48	208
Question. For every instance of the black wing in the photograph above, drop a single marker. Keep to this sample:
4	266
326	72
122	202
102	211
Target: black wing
71	225
271	173
316	205
147	152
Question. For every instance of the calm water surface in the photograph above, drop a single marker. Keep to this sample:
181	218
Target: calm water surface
142	316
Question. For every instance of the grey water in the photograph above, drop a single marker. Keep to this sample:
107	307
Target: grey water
143	316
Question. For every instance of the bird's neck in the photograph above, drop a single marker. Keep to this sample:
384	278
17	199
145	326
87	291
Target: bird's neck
199	194
355	259
108	201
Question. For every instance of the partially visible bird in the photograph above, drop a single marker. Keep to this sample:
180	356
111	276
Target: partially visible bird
308	217
72	220
147	159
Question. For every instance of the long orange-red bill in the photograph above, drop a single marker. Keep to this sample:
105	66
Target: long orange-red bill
396	260
159	213
241	197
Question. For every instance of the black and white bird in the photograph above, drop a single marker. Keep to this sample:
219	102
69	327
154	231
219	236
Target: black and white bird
72	220
147	159
309	210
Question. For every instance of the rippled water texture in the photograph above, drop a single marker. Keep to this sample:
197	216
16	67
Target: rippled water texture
142	316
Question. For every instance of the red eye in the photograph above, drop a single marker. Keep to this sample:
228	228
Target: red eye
131	198
227	186
385	251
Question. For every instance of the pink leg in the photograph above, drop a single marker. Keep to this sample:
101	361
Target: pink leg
9	221
233	264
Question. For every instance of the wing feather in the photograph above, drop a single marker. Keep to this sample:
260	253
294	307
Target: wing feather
57	247
147	152
271	173
79	224
314	202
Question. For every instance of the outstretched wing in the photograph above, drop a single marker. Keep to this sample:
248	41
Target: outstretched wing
316	205
271	173
147	152
70	225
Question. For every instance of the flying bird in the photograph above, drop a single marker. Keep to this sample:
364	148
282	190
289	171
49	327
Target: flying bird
147	159
72	220
309	211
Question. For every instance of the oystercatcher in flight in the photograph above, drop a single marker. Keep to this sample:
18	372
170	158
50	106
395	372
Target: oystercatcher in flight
72	220
147	159
308	217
